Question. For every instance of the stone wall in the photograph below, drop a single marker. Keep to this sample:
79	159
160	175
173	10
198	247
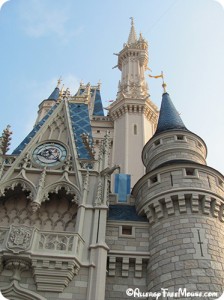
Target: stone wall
186	252
127	258
76	290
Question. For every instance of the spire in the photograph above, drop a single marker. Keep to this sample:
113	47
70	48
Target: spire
56	92
54	95
169	118
132	35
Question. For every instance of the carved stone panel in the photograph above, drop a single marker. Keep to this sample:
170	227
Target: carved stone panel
19	238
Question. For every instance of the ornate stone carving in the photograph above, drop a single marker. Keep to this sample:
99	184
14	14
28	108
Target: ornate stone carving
59	213
19	238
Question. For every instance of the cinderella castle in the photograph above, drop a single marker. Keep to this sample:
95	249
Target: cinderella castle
117	206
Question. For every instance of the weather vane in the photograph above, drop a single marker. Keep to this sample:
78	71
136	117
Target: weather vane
159	76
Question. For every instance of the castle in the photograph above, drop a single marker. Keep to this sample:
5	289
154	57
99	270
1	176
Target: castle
83	216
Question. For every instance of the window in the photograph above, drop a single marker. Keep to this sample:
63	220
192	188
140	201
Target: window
180	137
156	143
135	129
190	172
98	131
127	230
153	179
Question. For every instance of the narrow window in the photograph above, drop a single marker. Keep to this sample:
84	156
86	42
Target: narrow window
220	182
157	143
135	129
153	179
180	137
127	230
190	171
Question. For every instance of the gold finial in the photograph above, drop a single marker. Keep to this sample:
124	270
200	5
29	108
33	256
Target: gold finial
59	81
164	84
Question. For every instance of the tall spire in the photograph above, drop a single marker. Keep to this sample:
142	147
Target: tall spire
169	118
132	35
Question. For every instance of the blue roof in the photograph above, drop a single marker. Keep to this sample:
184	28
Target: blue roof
54	95
124	213
79	115
169	118
36	128
98	106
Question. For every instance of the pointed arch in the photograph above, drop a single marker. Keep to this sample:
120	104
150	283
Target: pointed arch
15	182
69	188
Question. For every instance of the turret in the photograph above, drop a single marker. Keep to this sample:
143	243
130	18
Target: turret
48	103
183	200
133	112
172	141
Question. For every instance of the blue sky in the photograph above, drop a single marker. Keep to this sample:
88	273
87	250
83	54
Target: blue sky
42	40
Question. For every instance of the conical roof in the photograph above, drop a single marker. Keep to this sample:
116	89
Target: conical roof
54	95
169	118
132	35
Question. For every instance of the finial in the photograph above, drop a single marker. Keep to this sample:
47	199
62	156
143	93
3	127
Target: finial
132	35
59	81
132	21
164	84
5	140
99	83
159	76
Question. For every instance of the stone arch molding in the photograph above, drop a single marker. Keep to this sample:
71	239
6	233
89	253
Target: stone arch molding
69	188
15	292
34	193
11	184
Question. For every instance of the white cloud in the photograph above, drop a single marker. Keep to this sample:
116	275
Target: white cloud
40	18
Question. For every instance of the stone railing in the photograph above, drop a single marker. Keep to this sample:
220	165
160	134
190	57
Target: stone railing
54	255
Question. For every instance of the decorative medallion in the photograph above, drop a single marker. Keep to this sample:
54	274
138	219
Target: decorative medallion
19	238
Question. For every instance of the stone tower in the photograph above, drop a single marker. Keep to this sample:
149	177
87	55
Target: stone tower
133	113
183	200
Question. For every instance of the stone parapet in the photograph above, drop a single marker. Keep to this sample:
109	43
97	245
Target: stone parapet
173	145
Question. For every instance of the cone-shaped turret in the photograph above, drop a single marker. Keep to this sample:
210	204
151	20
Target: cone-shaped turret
172	141
48	103
55	94
169	118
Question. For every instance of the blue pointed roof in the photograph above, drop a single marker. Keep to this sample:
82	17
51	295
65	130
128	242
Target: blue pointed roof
54	95
98	106
33	132
80	120
169	118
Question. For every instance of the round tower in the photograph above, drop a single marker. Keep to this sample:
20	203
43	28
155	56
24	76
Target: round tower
183	200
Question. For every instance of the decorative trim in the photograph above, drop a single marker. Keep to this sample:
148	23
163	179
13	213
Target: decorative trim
15	291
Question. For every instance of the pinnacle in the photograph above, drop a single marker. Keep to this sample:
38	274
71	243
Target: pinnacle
132	35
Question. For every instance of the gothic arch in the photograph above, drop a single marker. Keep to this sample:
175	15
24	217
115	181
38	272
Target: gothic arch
15	292
11	184
69	188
